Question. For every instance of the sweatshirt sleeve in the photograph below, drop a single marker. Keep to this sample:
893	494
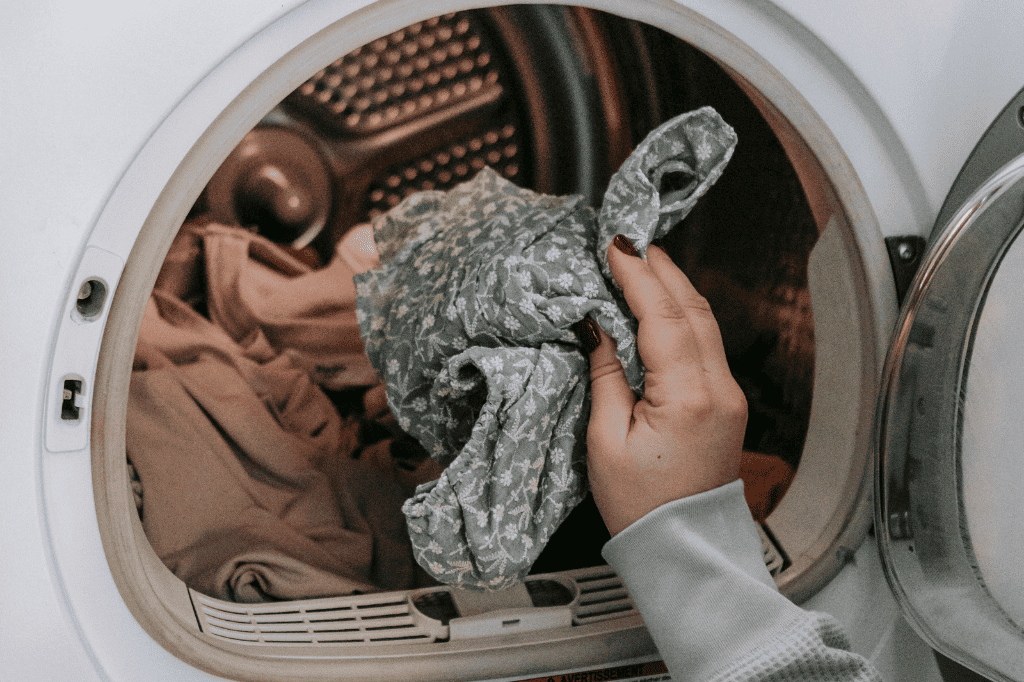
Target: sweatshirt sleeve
695	570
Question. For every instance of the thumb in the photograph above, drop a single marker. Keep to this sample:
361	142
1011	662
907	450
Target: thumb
611	410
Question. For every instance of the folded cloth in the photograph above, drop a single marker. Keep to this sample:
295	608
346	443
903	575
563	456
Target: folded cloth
468	320
248	492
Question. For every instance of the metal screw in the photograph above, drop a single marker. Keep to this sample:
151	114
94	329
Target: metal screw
906	252
85	291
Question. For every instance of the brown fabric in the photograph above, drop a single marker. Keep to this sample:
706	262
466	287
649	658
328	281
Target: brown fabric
249	492
766	478
254	286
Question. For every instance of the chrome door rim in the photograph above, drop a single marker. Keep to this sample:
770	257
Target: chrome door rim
919	518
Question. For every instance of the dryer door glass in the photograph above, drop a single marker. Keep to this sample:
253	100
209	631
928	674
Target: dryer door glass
949	478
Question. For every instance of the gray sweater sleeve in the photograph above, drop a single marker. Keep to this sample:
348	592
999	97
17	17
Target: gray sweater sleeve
695	570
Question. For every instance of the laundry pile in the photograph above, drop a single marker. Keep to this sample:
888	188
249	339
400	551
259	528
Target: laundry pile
251	485
469	321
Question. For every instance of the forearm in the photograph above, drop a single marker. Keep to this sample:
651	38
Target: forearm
694	567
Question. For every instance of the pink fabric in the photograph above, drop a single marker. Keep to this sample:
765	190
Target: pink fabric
249	490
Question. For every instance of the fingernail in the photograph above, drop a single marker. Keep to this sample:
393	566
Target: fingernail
623	244
586	331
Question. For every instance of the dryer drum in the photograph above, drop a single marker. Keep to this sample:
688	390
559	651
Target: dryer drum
553	98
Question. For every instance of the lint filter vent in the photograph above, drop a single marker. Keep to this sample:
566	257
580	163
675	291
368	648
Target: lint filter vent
427	615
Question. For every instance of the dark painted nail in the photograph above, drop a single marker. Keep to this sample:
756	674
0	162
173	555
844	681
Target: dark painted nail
586	331
622	243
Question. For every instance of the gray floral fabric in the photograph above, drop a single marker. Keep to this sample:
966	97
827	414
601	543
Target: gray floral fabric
468	321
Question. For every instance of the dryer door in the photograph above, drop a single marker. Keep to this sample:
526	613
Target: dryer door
949	487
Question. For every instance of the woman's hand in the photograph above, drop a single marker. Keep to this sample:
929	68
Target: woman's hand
686	434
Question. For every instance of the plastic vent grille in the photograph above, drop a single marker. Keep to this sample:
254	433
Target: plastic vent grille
499	147
418	69
421	616
602	596
365	619
774	558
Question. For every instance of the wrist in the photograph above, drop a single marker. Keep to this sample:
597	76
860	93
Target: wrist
621	505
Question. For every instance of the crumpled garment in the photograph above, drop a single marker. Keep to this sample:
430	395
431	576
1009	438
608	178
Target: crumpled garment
252	287
468	321
247	488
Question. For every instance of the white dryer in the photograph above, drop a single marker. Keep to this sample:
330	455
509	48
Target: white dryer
900	124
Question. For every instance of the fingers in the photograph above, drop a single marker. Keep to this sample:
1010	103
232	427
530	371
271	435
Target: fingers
705	328
666	339
678	339
685	435
612	407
